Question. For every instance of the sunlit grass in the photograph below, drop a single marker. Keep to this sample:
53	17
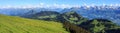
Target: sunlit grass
9	24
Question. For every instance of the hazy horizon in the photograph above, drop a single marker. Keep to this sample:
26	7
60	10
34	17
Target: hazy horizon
55	3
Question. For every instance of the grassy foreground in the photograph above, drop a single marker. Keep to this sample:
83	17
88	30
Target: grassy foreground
10	24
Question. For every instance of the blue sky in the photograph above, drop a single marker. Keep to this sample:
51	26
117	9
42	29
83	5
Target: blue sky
51	2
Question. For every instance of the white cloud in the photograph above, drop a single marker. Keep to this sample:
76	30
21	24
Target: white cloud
40	5
60	5
6	6
55	5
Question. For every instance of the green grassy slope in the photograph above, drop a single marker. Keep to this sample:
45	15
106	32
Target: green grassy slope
10	24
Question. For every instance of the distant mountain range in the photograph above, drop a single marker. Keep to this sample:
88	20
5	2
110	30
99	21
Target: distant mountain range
84	19
90	12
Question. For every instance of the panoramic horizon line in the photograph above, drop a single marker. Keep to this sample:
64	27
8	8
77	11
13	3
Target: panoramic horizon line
42	5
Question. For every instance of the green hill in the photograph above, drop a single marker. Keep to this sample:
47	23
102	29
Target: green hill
10	24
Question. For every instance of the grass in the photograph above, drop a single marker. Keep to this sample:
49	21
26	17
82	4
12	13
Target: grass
10	24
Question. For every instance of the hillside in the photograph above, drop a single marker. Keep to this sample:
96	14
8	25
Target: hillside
73	22
10	24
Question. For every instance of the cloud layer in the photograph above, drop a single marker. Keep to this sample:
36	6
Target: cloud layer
42	5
